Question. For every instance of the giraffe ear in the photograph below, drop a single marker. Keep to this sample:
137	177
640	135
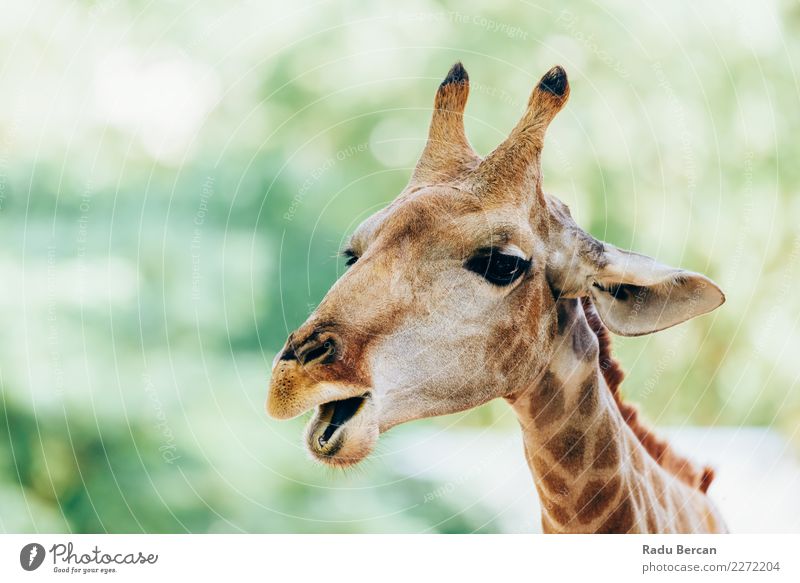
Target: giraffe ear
636	295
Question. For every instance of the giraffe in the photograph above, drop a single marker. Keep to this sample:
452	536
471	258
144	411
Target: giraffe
474	284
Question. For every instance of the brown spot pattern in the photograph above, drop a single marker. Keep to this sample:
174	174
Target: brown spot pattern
596	496
568	448
556	512
554	484
565	315
547	403
621	521
657	448
606	448
588	396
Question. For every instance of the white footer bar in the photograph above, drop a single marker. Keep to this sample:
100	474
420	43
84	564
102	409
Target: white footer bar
414	558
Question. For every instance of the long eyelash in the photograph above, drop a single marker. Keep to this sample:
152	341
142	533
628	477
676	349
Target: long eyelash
350	255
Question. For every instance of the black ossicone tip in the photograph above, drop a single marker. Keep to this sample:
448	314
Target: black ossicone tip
457	74
554	81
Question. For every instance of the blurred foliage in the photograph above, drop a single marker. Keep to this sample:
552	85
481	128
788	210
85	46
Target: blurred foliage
175	180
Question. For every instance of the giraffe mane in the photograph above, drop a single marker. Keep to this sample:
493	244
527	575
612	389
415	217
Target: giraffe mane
658	448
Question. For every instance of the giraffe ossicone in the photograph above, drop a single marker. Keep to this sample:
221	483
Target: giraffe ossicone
472	285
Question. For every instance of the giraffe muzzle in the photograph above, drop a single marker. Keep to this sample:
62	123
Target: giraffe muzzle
309	372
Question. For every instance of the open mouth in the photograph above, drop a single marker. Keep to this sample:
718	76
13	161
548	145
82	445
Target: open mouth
331	418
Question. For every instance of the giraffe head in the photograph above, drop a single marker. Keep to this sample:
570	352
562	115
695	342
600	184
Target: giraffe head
449	299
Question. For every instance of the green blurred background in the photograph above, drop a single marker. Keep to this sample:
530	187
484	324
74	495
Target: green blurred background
176	178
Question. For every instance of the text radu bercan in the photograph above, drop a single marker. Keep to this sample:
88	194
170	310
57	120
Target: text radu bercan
677	550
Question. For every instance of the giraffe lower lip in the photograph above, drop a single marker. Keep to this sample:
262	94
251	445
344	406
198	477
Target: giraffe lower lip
340	413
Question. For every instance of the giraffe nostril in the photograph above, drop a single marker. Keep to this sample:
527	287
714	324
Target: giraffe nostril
289	354
318	352
317	348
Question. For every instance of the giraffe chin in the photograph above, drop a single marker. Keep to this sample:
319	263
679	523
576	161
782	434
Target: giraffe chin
342	433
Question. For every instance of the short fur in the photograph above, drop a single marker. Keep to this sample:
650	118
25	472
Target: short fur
659	449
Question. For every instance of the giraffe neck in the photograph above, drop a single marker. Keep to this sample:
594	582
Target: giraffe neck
591	472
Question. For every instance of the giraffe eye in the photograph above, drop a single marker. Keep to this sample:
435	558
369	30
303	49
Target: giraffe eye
496	267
